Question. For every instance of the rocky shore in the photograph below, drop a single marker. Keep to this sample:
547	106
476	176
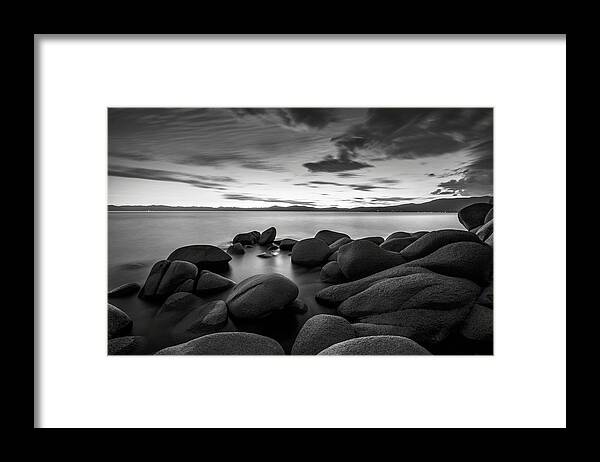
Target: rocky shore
427	292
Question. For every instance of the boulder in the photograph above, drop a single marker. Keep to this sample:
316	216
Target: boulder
310	252
365	329
489	216
245	239
329	237
157	271
236	249
129	345
210	282
186	286
119	324
267	236
260	295
378	240
397	234
177	273
485	230
418	234
124	290
226	343
333	256
363	258
320	332
332	273
376	345
479	324
470	260
287	244
486	298
256	234
434	240
340	242
203	256
397	244
175	308
474	215
204	319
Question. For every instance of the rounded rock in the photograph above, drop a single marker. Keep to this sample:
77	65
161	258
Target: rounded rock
329	237
227	343
434	240
124	290
310	252
267	236
320	332
376	345
129	345
363	258
119	323
210	282
474	215
203	256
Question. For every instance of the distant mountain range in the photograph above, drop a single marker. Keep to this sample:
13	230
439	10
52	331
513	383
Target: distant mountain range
453	204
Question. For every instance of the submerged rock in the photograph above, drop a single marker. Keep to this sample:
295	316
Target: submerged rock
236	249
265	255
329	237
206	318
362	258
267	236
332	273
261	295
203	256
210	282
397	244
474	215
129	345
119	323
310	252
287	244
320	332
376	345
226	343
124	290
434	240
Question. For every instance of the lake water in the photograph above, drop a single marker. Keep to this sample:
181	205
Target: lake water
136	240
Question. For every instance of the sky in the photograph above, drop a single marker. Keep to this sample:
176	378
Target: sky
318	157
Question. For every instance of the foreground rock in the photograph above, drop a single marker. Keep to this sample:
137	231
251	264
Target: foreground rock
130	345
485	230
434	240
340	242
157	271
119	324
178	272
474	215
397	244
332	273
489	216
206	319
287	244
236	249
376	345
397	235
377	240
245	239
320	332
260	295
329	237
227	343
210	282
310	252
124	290
267	236
479	324
363	258
203	256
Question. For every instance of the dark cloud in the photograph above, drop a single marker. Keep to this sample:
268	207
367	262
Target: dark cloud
198	181
347	175
391	199
332	164
244	197
439	192
356	187
294	118
386	180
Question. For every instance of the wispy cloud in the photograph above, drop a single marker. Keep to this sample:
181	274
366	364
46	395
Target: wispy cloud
198	181
245	197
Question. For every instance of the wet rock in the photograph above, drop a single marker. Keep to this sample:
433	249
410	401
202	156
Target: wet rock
287	244
203	256
474	215
397	244
329	237
332	273
260	295
340	242
175	308
245	239
129	345
310	252
486	298
256	234
479	324
226	343
489	216
177	272
157	271
377	240
434	240
363	258
320	332
297	306
206	318
186	286
398	234
124	290
333	256
236	249
419	234
267	236
209	282
485	230
119	324
376	345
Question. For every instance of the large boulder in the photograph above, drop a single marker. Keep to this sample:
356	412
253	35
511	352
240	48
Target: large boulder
331	273
419	234
310	252
287	244
119	323
333	256
209	282
129	345
376	345
245	239
175	308
340	242
433	240
362	258
398	234
479	324
124	290
188	285
397	244
203	256
474	215
177	272
267	236
157	271
485	230
226	343
260	295
329	237
470	260
206	318
320	332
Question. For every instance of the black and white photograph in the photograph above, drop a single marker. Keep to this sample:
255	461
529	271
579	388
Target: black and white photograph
300	231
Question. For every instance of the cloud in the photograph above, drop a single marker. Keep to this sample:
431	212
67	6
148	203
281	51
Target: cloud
386	180
354	186
198	181
332	164
391	199
347	175
244	197
292	118
439	192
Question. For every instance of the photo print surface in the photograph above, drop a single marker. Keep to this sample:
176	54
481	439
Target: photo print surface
300	231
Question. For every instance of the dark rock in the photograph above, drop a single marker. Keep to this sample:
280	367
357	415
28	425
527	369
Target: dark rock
329	237
340	242
332	273
297	306
226	343
418	234
397	244
153	280
489	216
130	345
186	286
364	329
434	240
177	273
236	249
175	308
378	240
485	230
470	260
320	332
245	239
272	248
486	298
267	236
397	235
473	215
310	252
363	258
256	234
261	295
265	255
124	290
203	256
206	318
479	324
376	345
333	256
119	324
210	282
287	244
490	240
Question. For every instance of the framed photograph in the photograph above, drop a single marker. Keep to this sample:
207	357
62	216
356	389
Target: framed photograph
283	220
